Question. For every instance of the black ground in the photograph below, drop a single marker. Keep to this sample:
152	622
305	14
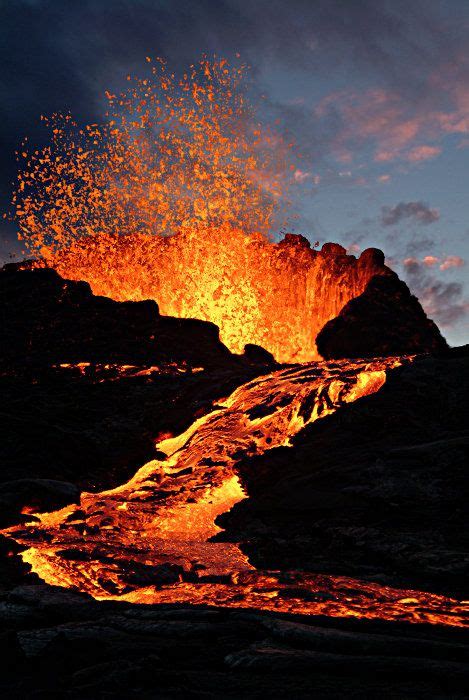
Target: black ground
378	490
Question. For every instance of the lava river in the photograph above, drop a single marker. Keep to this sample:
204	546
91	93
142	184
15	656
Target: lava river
151	539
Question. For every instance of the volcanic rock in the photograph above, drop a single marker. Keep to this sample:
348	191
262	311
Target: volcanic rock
34	495
49	320
385	320
63	644
257	355
378	489
333	249
279	660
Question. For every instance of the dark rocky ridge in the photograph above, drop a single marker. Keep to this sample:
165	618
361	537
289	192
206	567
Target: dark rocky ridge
378	489
49	320
385	320
93	426
59	644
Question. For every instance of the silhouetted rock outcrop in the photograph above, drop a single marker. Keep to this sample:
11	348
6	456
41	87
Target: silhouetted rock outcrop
257	355
385	320
47	320
276	295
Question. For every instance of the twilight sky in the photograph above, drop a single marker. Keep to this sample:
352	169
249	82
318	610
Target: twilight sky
375	93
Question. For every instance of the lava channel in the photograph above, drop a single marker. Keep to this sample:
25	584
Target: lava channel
150	540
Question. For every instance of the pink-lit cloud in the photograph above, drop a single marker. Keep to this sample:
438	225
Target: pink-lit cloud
301	175
430	260
445	263
304	175
452	261
420	153
395	127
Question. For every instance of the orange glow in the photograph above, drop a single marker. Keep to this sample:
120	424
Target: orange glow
112	372
166	513
172	154
28	510
278	296
174	197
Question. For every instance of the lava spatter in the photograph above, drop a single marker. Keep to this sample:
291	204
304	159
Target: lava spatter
150	539
176	195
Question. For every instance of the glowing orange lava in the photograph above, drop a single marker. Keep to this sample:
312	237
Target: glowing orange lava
278	296
174	197
115	543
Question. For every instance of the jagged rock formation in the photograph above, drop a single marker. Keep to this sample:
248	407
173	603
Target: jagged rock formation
48	320
290	291
385	320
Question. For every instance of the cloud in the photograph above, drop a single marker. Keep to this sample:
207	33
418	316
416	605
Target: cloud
452	261
301	175
416	211
444	302
416	245
420	153
405	63
446	263
63	55
396	126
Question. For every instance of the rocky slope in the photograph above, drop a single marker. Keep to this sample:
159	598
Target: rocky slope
386	319
379	488
49	320
59	644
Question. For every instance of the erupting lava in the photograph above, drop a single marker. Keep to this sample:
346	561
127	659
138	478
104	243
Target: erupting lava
278	296
174	197
150	540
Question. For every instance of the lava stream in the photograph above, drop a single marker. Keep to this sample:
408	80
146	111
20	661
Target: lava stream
150	539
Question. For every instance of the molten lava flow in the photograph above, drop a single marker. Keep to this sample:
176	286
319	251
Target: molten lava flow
149	540
173	197
112	372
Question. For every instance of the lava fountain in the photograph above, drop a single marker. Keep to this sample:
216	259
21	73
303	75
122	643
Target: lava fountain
174	197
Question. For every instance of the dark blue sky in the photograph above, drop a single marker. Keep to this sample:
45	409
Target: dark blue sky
376	94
